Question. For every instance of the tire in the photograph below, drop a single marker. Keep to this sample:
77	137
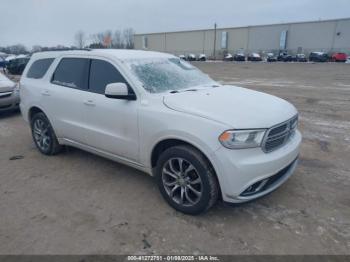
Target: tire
44	136
197	176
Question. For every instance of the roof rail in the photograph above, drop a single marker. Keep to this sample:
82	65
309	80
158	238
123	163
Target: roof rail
82	49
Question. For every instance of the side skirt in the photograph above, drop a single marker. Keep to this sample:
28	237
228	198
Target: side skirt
119	159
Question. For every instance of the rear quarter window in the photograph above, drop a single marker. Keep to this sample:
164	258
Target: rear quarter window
39	68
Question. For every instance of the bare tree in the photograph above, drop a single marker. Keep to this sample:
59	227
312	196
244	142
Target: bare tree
97	40
117	41
36	48
14	49
128	35
80	39
102	39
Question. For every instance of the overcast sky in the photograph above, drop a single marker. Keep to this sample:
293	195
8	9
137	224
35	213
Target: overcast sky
53	22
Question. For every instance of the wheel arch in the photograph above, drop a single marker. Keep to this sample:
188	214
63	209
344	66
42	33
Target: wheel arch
34	110
166	143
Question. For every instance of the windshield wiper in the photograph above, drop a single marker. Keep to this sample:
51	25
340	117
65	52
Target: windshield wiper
190	90
180	91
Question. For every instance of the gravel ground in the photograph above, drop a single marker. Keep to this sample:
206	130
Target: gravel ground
79	203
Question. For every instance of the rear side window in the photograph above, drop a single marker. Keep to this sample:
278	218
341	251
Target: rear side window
103	73
39	68
72	72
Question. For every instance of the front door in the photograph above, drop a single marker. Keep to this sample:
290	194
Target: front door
110	124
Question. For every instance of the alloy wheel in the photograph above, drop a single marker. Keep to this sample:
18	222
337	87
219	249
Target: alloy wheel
182	182
42	134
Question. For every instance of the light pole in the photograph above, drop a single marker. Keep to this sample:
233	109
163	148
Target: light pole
214	55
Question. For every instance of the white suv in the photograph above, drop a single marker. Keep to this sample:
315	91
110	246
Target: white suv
157	113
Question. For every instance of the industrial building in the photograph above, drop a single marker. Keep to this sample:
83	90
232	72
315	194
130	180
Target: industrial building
300	37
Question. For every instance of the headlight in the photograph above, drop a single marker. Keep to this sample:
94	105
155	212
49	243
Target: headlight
239	139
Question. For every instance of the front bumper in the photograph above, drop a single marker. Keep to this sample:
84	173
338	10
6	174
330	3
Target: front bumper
9	102
240	171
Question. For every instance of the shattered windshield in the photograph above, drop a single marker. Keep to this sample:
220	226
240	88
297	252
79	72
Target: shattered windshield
167	74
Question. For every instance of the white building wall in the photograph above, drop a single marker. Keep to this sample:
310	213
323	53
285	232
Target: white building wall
237	39
342	35
262	38
332	35
157	42
316	36
185	42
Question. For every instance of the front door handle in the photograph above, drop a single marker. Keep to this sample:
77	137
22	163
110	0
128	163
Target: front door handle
89	103
45	93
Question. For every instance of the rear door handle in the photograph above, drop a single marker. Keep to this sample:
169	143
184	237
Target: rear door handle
89	103
45	93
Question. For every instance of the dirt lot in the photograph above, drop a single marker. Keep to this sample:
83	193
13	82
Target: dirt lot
78	203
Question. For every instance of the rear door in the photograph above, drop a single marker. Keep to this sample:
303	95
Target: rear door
64	98
110	124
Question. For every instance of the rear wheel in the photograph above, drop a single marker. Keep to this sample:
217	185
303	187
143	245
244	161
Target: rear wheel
43	135
186	180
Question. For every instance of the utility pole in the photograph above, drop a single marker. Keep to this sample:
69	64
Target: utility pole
214	55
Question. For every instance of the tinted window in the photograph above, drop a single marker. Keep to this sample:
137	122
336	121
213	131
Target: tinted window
39	68
72	72
101	74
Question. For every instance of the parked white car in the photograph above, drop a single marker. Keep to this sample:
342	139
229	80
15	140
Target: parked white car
228	57
202	57
10	57
9	94
348	60
191	57
182	57
159	114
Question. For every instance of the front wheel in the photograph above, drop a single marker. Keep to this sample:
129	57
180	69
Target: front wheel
186	180
43	135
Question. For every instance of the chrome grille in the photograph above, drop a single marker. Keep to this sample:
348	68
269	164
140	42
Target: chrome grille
279	135
5	94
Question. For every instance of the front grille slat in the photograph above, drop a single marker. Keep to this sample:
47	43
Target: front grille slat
278	130
270	145
279	135
5	94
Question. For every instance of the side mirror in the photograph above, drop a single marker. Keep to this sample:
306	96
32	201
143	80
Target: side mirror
118	91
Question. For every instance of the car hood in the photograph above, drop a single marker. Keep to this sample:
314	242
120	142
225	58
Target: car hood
6	85
237	107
